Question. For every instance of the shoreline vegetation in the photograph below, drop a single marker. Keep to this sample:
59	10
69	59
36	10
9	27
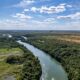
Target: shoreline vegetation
66	52
16	62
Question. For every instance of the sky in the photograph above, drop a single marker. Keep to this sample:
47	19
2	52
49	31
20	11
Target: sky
39	14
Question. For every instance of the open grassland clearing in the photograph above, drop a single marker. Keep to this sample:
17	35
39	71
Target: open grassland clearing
6	68
4	53
16	62
69	38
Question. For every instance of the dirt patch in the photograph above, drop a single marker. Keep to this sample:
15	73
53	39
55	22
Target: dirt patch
9	77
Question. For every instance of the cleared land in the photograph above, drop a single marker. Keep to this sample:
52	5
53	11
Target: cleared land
70	38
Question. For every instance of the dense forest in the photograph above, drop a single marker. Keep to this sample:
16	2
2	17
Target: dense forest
17	61
67	53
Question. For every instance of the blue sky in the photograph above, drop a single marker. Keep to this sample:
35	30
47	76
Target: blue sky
40	14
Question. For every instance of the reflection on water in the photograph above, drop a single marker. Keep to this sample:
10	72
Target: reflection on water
51	69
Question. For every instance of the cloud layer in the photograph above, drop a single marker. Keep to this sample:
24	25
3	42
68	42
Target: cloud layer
24	3
71	16
51	9
41	15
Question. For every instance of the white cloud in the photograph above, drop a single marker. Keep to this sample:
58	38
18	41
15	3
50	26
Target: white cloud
21	16
24	3
69	6
10	24
46	24
34	9
27	25
26	10
68	26
51	9
71	16
50	20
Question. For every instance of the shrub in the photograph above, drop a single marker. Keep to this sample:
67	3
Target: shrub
12	59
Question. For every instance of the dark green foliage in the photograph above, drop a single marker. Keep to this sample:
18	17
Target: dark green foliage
8	43
67	53
14	59
31	69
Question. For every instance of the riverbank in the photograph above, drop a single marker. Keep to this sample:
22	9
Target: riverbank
51	69
16	62
67	53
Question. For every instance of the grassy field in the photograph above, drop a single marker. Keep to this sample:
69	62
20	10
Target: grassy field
5	68
15	60
4	53
69	38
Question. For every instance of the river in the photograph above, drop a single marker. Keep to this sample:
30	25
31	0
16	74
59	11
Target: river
51	69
